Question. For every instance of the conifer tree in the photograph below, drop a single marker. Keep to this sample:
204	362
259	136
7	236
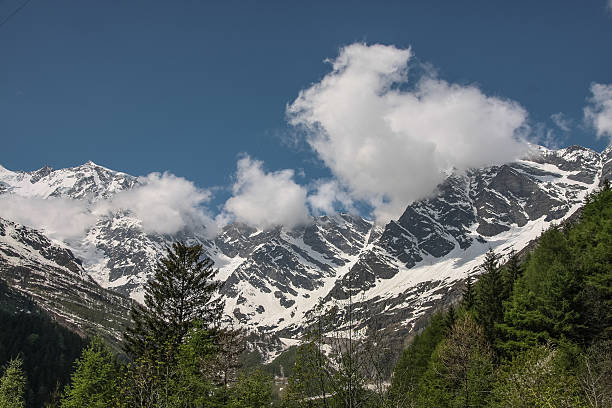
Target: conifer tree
181	292
94	381
451	318
12	385
415	359
511	272
544	304
488	303
468	293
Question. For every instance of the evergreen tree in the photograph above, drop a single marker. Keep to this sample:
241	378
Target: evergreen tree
544	303
95	379
511	271
181	292
415	359
468	293
12	385
451	318
488	304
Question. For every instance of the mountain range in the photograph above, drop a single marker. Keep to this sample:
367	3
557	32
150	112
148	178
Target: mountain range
393	275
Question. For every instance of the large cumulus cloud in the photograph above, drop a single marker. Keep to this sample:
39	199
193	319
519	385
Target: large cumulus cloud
389	142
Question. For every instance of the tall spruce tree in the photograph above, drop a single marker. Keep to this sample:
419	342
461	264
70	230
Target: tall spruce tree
12	385
488	303
468	293
181	292
510	273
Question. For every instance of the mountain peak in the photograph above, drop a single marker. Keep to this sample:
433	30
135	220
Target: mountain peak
40	173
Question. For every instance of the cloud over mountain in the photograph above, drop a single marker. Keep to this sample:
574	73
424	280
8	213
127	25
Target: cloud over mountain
598	112
61	218
164	203
390	138
266	199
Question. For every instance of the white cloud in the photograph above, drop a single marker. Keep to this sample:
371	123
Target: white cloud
598	112
266	199
609	5
164	203
60	218
390	143
561	121
327	195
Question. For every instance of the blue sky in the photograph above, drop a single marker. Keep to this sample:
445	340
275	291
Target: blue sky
190	87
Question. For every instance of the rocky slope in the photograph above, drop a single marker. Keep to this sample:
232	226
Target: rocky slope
394	274
50	275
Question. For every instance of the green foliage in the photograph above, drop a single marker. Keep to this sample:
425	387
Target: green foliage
252	390
95	379
468	293
174	376
536	378
180	292
12	385
488	303
48	352
549	318
566	289
543	305
460	370
415	359
310	377
511	271
286	360
174	341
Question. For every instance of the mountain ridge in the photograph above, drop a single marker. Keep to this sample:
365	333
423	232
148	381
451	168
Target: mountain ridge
401	270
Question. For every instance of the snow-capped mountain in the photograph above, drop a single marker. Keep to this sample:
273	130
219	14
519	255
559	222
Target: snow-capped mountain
395	273
88	181
56	281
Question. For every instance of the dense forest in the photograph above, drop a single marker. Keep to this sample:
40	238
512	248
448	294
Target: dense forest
46	350
532	331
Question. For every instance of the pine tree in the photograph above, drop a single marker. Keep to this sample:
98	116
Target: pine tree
510	273
181	292
488	303
415	359
94	381
544	304
468	293
12	385
451	318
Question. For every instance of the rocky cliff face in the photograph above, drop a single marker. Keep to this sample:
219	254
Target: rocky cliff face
50	275
395	274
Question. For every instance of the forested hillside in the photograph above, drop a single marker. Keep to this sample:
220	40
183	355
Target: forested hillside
527	334
47	350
